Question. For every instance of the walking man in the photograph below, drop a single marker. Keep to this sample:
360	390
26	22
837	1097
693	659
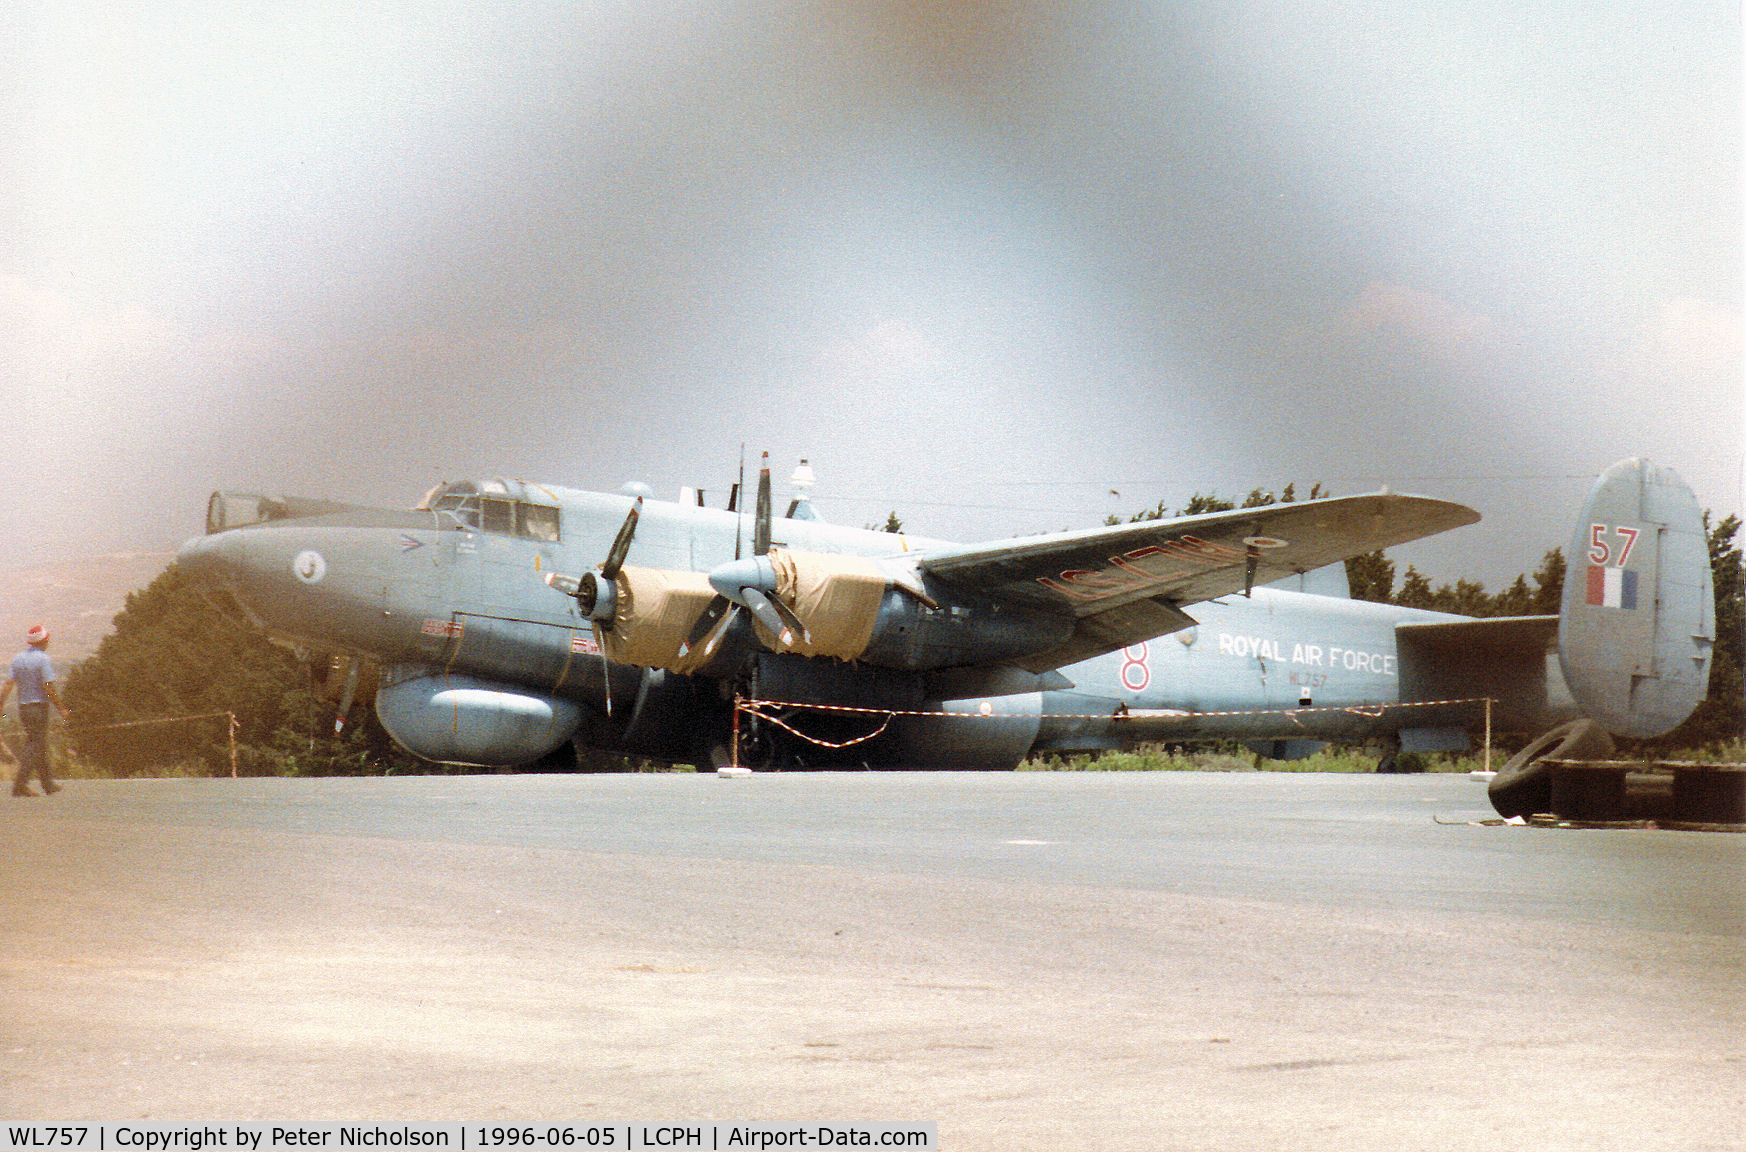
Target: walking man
33	674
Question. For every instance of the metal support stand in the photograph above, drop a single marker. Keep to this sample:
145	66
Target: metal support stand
732	767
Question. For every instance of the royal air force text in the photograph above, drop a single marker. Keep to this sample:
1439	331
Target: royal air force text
1308	655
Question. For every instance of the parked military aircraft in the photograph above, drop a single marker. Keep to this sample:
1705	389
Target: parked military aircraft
503	620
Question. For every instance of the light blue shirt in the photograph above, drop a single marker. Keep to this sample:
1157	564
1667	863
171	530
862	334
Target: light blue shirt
31	669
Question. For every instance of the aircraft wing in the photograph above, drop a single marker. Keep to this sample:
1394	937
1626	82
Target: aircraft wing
1129	582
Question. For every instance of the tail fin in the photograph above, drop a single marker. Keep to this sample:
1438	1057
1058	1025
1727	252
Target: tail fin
1637	622
1329	581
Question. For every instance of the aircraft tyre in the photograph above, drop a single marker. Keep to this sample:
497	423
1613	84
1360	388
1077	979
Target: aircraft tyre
757	751
1523	786
720	755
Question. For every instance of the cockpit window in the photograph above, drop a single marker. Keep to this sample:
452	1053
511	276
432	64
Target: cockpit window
457	511
538	522
239	509
464	504
444	494
499	516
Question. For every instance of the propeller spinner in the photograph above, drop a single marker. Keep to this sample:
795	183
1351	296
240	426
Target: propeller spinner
747	583
596	593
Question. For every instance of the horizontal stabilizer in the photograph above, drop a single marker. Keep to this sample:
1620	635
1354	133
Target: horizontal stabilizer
1505	659
1500	635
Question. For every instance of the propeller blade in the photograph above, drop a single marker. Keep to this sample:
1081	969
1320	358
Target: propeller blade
741	580
761	527
622	542
568	585
734	502
765	613
344	711
718	607
714	641
605	668
795	624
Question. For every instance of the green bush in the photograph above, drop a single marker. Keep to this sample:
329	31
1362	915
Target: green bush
161	688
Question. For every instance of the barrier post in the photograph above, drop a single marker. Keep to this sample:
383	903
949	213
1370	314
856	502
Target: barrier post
1488	733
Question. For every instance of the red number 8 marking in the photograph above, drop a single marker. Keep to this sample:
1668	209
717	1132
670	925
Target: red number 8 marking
1136	672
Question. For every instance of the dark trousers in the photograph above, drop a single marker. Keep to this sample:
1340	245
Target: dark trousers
33	754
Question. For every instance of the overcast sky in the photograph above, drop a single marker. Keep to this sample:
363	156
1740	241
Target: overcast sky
1001	267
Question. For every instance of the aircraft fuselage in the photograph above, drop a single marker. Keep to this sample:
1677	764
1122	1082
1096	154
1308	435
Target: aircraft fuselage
440	594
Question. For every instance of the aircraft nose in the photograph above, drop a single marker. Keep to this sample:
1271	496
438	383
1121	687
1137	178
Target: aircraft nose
227	561
201	557
212	564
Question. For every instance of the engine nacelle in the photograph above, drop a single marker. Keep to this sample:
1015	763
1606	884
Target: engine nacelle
846	608
456	719
859	609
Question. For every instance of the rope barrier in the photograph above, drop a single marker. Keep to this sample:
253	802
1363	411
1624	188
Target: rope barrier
1369	711
143	723
231	716
760	709
786	727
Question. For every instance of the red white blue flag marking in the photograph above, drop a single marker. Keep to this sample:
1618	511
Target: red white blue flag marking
1612	587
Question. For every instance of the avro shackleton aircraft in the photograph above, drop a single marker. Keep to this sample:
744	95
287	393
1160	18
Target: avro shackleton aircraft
502	620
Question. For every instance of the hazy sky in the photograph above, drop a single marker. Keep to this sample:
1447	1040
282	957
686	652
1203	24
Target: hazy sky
1001	267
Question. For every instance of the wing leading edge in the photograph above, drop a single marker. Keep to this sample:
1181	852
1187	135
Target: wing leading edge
1130	582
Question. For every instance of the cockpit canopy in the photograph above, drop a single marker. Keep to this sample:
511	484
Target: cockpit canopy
493	506
227	510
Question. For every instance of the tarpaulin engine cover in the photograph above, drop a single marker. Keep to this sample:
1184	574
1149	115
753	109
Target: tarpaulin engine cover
837	597
654	612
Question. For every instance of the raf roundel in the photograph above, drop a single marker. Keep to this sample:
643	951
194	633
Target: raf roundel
310	567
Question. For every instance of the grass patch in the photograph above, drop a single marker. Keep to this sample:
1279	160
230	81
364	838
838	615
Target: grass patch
1236	758
1726	752
1147	758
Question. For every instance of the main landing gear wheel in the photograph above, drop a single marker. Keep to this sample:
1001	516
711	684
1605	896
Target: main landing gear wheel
757	751
1523	786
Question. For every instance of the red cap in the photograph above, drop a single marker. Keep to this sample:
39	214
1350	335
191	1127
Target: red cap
36	636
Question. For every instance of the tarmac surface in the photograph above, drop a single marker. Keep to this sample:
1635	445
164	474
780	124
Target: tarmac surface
1033	960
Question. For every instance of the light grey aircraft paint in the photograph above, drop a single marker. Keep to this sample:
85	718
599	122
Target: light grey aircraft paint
1637	623
965	655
